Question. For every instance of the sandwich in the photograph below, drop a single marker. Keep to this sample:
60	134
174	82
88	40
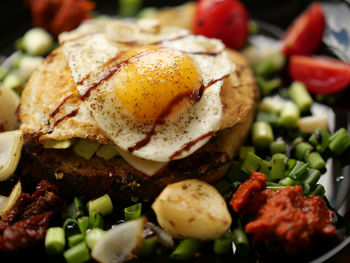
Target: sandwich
125	108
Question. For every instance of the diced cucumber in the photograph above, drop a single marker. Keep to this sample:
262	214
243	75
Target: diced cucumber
85	148
53	144
37	42
107	152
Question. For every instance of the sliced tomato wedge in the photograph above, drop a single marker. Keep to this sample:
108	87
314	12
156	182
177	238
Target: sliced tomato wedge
304	36
223	19
321	75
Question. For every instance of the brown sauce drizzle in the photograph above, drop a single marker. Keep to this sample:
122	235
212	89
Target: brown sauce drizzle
69	115
58	107
192	95
189	145
207	53
112	70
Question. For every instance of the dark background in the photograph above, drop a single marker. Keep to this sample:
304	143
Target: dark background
15	20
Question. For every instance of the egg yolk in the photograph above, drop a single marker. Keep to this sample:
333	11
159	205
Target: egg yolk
156	80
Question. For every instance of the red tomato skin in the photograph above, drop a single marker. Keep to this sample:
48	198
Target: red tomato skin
223	19
321	75
304	36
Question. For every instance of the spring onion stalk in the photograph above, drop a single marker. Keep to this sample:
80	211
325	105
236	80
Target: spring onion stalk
310	177
13	80
95	220
240	240
315	161
271	118
298	170
102	205
74	209
70	226
244	150
277	167
339	141
129	7
55	240
133	212
264	68
301	150
296	141
289	115
223	244
93	236
306	188
274	186
83	224
287	181
320	140
75	239
268	86
278	147
77	254
186	249
319	190
223	186
148	246
254	163
262	134
289	166
300	96
234	172
309	124
270	105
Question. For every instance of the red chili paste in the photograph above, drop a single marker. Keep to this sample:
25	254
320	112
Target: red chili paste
286	216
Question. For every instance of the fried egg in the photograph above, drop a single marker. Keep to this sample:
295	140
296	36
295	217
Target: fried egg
159	100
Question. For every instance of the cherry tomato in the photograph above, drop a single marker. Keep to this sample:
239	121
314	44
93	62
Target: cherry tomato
304	36
321	75
223	19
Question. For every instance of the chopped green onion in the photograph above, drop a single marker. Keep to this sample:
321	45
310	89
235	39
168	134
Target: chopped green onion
271	118
289	166
298	170
186	249
262	134
148	246
289	115
240	240
267	86
223	244
75	239
300	96
74	209
254	163
277	167
133	212
287	181
264	68
315	160
278	147
309	124
319	190
339	141
93	236
310	177
77	254
102	205
55	241
306	188
301	150
37	42
320	140
270	105
83	223
3	73
253	27
95	220
70	226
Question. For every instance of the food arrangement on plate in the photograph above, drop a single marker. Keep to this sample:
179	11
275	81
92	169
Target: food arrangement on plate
154	138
